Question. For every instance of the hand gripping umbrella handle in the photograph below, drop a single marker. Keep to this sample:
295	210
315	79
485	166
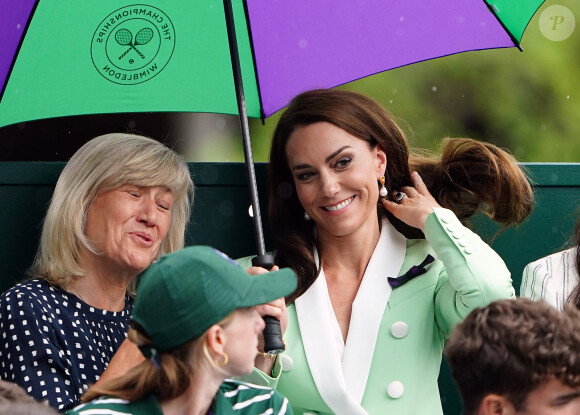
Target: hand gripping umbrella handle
273	343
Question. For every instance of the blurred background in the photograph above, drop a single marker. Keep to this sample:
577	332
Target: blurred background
526	102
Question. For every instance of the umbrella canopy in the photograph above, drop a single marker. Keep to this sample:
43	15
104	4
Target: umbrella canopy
63	58
246	57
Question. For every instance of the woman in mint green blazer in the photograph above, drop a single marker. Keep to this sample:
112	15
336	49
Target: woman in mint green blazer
384	264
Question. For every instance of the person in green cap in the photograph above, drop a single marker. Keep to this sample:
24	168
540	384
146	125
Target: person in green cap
195	320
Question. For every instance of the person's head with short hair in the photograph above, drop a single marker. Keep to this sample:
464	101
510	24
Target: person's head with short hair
103	164
15	401
517	357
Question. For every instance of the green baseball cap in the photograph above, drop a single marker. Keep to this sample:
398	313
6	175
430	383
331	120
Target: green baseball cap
183	294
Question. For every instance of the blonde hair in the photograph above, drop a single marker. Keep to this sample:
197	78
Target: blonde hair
105	163
170	380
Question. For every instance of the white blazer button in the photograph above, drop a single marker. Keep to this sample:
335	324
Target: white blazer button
468	250
395	389
452	228
457	235
462	242
444	219
286	362
399	329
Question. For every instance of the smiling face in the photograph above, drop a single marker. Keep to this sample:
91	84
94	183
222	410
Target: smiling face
335	175
241	334
127	225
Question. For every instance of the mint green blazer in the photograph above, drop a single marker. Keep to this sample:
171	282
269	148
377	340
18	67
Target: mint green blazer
393	352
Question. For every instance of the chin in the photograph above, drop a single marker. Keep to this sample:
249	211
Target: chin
140	263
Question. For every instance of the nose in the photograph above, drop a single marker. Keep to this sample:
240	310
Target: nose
329	185
147	212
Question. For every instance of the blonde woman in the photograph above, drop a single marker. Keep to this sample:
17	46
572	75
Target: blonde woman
196	321
120	203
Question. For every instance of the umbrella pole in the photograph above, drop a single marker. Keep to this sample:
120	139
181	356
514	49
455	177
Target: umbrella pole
273	342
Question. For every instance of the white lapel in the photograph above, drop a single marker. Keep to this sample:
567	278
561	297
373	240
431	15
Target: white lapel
321	349
369	306
341	382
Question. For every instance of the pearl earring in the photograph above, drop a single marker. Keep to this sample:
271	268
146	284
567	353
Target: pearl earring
306	216
383	191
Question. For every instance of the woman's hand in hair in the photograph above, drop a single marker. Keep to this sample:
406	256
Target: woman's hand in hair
412	204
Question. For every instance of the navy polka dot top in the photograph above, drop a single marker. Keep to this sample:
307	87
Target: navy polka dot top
55	345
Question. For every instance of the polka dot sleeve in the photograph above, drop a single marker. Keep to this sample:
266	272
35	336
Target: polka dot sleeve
54	345
29	353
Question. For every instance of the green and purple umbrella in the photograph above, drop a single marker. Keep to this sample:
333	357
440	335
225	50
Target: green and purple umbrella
64	57
246	57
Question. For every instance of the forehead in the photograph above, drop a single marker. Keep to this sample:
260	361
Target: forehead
548	397
157	190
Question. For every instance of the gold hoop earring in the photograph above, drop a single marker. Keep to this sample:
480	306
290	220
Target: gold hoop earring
222	364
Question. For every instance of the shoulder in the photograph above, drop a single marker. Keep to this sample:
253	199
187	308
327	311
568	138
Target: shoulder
27	294
242	395
232	387
549	261
104	405
418	246
551	278
33	287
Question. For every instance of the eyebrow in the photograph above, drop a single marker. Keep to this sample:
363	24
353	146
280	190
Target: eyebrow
562	399
327	159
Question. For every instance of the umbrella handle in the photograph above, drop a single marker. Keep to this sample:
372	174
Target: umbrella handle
273	343
264	261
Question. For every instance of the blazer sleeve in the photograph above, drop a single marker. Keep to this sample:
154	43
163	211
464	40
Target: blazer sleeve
245	262
257	377
534	277
472	275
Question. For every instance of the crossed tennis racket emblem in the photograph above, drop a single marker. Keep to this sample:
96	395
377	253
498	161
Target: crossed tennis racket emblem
124	37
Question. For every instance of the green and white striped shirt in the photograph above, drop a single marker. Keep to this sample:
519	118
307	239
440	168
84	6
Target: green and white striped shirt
233	397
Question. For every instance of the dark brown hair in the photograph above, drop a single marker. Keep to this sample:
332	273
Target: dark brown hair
511	347
574	297
469	176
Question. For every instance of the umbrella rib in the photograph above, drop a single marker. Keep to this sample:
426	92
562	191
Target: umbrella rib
493	10
249	28
30	16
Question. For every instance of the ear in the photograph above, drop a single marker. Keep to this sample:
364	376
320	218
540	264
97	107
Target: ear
216	339
493	404
381	160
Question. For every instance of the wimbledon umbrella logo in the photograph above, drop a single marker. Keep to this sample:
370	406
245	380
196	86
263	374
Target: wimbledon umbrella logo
133	44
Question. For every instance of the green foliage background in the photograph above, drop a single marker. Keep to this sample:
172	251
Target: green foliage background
527	102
